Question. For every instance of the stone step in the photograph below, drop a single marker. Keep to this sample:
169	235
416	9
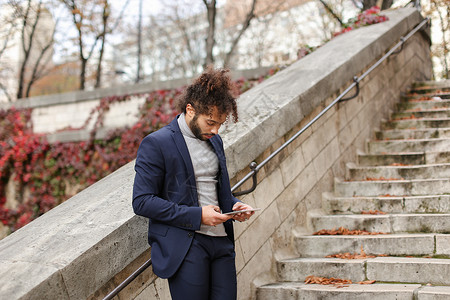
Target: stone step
297	269
437	94
409	270
388	244
426	104
413	158
389	223
416	123
354	172
430	90
407	158
301	291
421	113
417	145
384	269
438	157
432	95
433	293
407	187
387	204
434	84
403	134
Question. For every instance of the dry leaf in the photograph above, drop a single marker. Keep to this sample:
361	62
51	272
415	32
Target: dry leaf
339	283
373	212
381	179
345	231
367	282
348	255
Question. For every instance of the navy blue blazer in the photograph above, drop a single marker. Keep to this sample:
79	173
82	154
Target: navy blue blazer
165	192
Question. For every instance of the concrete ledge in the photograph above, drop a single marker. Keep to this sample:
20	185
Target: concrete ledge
80	96
72	250
76	248
282	101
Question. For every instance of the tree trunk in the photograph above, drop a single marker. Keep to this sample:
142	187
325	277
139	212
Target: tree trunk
26	47
105	15
386	4
98	75
368	4
83	73
139	45
210	41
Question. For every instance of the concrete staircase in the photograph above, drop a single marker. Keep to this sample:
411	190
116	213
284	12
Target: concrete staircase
404	173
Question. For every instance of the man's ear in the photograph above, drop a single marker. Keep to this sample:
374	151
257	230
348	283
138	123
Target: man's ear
190	111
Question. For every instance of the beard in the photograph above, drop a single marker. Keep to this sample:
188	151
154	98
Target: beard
193	125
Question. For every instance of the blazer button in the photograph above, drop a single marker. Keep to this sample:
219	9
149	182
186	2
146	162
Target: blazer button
190	234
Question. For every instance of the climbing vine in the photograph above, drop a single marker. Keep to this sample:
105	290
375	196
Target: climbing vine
38	175
367	17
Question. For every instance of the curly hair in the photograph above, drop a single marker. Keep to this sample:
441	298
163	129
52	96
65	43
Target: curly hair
213	87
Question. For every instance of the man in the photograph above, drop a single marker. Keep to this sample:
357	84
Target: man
182	186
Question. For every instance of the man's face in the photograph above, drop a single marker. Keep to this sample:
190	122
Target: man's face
205	126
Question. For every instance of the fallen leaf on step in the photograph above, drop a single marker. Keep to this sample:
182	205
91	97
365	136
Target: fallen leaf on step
382	179
411	117
338	282
325	281
345	231
373	212
420	99
348	255
367	282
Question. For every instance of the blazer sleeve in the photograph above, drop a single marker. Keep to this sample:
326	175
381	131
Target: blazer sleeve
148	190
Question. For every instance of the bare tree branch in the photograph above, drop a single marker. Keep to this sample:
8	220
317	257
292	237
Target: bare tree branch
245	25
331	11
38	67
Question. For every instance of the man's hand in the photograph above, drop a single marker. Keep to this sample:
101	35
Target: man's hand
211	215
241	217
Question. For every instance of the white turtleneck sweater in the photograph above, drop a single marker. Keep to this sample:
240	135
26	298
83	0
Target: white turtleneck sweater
206	168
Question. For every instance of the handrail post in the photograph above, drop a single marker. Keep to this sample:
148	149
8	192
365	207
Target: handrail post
254	172
355	82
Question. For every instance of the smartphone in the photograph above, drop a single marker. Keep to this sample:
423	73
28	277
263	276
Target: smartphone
241	211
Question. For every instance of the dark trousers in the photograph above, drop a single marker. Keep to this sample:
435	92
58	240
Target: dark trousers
208	272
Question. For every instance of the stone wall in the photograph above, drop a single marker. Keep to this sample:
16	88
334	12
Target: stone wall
57	115
89	244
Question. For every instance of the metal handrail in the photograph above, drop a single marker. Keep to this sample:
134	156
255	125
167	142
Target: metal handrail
340	98
128	280
255	167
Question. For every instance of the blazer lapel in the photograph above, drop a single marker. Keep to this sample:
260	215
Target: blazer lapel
184	152
218	150
217	145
